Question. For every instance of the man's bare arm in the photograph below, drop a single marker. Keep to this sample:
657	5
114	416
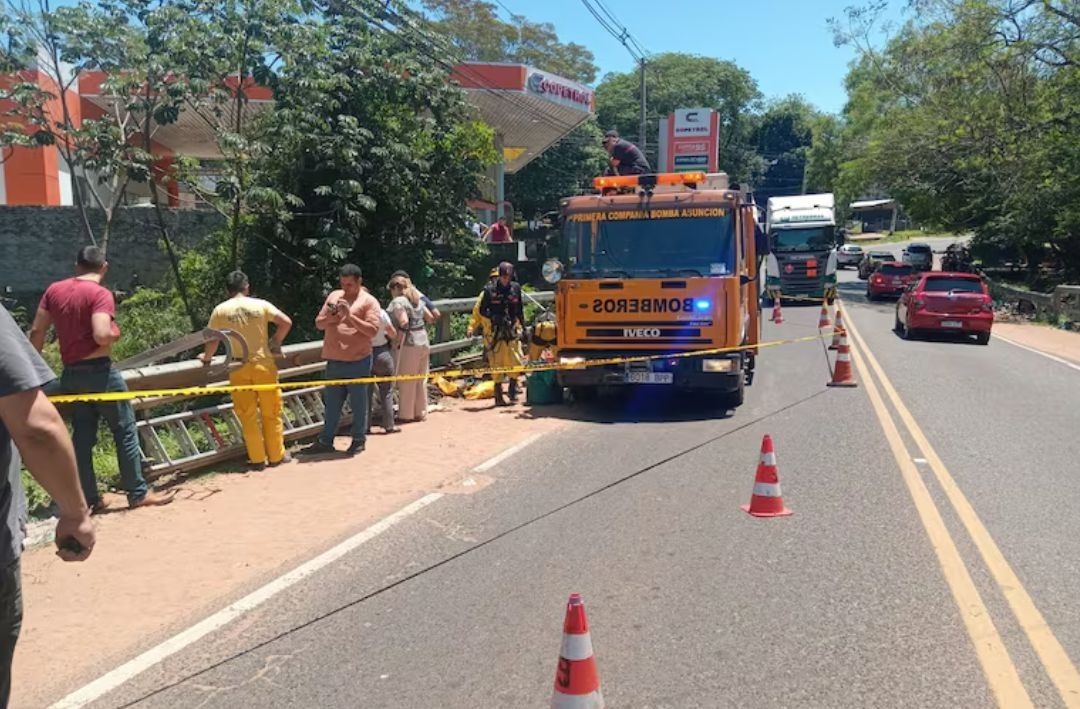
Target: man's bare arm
39	432
104	332
40	327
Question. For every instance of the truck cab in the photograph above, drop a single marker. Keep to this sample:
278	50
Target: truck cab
802	238
656	286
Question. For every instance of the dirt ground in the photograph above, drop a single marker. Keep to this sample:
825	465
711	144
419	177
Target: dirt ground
159	570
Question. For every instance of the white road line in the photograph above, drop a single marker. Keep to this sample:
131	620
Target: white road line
511	451
1057	359
111	680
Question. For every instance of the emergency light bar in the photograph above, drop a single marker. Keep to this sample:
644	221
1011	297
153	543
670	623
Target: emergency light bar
664	178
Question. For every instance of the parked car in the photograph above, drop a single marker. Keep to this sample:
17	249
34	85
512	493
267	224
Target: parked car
946	302
870	261
849	255
890	278
919	255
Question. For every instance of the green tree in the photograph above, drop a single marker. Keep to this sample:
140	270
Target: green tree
968	116
374	154
825	154
782	138
475	29
562	170
686	81
228	51
128	41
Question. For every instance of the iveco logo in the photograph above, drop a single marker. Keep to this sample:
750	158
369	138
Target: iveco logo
641	332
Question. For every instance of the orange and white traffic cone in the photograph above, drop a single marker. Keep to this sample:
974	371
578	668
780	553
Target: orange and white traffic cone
577	682
766	500
843	374
777	316
837	329
823	321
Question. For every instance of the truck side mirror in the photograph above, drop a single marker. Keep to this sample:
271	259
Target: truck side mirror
761	242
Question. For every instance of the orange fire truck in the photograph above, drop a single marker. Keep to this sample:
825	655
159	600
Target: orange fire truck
658	265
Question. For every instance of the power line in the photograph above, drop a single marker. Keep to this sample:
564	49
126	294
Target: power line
625	32
613	26
616	29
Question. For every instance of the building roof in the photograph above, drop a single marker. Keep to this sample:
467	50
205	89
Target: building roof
529	108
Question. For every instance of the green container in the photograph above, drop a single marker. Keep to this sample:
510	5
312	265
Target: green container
542	388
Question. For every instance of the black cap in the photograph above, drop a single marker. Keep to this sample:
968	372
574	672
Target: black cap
399	272
611	134
506	268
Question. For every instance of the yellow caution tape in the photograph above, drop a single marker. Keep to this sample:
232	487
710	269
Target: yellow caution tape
190	392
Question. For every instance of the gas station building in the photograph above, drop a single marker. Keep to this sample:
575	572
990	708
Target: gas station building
529	110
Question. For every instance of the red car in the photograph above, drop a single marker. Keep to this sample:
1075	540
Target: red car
946	302
888	279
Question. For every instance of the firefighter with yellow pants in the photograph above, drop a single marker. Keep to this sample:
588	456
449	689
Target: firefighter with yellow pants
502	306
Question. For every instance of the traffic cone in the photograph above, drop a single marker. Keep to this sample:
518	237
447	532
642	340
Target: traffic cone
837	329
823	321
777	317
766	500
577	683
843	375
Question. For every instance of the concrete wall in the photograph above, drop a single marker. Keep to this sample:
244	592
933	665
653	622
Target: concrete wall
38	244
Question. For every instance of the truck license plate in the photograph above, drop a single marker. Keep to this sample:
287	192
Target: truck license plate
951	323
650	378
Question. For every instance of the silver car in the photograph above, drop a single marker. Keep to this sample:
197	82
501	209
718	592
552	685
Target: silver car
919	255
849	255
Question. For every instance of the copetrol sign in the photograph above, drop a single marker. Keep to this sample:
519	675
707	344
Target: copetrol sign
693	140
691	122
559	90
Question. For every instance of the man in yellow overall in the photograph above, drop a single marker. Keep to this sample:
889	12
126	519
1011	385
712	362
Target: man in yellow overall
259	411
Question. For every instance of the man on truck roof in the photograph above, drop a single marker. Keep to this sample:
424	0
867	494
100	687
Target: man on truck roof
626	158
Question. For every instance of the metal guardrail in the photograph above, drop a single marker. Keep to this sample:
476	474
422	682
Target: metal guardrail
190	440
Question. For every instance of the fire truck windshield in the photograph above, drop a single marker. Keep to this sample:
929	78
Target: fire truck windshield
685	246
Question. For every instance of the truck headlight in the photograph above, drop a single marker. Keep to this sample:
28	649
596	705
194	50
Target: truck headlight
718	365
572	361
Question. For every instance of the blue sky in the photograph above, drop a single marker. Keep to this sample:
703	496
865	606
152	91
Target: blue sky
786	45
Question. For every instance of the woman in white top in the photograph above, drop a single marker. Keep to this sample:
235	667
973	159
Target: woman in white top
409	316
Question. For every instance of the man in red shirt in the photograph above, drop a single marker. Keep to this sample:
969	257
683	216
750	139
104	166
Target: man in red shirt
83	311
498	233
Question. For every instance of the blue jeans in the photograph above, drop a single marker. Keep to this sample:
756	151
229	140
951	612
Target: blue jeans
93	376
334	399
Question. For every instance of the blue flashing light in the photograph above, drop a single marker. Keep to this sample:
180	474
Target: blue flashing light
702	304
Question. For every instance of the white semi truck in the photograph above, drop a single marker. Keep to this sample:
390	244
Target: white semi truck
802	245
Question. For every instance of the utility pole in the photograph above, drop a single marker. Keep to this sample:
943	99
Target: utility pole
643	138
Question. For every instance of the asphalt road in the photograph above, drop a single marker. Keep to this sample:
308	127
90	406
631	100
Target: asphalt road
852	601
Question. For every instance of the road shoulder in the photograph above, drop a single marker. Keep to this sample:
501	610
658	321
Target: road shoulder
156	570
1048	340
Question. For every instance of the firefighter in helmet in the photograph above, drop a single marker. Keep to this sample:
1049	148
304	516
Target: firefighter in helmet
501	304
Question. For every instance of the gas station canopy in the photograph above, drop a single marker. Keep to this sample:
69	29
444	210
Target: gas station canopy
529	109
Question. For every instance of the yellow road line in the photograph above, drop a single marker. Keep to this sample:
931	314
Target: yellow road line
1059	667
997	665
